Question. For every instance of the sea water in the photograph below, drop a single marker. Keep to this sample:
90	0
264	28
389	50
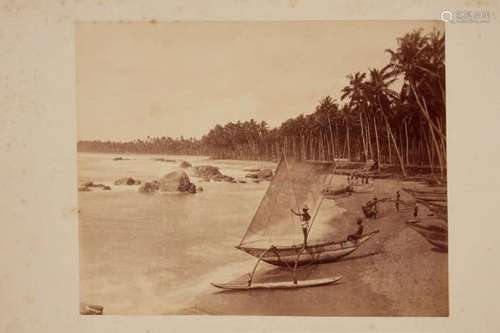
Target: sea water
155	253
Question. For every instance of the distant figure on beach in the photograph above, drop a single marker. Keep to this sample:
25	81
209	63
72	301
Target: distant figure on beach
398	197
349	188
415	215
370	209
304	217
357	235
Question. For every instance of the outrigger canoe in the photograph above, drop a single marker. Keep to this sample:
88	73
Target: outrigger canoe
435	235
314	253
277	285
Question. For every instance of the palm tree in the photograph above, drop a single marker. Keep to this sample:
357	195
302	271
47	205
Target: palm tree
420	59
357	103
378	92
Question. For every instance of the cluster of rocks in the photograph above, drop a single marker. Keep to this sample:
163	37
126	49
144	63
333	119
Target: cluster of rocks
164	160
175	181
127	181
210	173
178	181
120	159
258	175
86	187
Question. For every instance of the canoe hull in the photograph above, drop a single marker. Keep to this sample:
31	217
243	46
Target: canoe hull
314	253
436	237
278	285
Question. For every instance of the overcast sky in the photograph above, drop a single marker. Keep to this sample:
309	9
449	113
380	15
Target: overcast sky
183	78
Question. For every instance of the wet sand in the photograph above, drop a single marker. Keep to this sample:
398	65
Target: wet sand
396	273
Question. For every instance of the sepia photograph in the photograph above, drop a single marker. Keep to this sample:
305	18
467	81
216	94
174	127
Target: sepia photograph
273	168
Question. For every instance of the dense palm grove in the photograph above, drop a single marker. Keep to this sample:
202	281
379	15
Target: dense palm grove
368	120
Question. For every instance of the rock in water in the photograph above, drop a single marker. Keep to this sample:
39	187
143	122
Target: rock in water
208	171
191	188
185	165
127	181
149	187
252	175
266	174
175	181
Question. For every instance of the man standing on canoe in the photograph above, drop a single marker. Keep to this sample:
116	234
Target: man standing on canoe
304	217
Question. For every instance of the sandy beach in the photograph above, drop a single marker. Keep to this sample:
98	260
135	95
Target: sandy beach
397	273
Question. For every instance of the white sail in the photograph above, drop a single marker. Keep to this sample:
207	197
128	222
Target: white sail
294	185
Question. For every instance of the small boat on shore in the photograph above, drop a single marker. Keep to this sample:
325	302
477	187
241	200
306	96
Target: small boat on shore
434	234
278	285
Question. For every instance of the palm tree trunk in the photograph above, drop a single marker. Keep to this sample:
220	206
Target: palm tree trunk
331	137
369	138
432	127
403	170
376	140
406	134
363	136
429	153
348	143
388	144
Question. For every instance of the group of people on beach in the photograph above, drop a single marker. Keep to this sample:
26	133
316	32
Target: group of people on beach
357	177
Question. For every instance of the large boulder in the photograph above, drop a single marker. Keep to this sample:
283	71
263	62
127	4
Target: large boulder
175	181
149	187
185	165
127	181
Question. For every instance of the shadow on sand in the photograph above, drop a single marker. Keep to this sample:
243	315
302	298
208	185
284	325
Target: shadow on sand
280	274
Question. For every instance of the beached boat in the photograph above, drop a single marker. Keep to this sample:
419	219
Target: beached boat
314	253
277	285
275	234
434	234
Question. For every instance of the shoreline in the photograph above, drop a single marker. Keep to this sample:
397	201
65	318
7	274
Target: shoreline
397	273
394	169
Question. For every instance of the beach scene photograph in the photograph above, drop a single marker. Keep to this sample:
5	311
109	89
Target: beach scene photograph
273	168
